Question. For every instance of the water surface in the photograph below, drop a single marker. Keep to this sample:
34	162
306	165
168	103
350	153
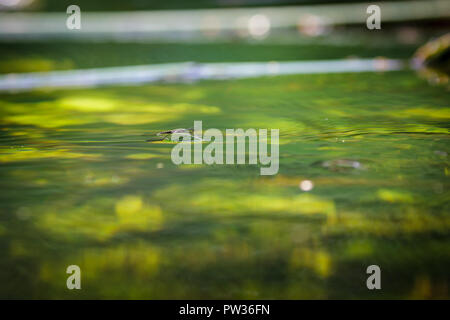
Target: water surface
81	186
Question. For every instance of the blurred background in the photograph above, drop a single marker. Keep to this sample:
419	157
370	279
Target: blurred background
364	128
143	32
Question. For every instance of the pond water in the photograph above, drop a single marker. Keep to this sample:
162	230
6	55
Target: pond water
81	186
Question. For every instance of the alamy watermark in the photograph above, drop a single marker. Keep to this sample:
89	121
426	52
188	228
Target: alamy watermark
73	21
374	280
222	150
374	20
74	280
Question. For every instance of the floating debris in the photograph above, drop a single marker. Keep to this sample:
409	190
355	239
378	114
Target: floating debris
440	153
340	164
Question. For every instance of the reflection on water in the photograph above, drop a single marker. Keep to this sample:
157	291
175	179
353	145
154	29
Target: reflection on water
187	72
81	186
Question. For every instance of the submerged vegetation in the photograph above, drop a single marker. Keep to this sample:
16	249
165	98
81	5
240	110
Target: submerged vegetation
80	185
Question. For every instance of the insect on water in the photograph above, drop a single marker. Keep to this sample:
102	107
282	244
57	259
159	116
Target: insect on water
165	135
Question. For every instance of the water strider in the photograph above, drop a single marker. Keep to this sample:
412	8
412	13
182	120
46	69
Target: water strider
163	135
